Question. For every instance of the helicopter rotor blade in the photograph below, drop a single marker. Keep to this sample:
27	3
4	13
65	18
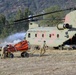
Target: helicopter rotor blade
44	14
50	19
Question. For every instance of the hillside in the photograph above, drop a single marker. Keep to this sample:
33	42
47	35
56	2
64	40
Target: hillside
11	6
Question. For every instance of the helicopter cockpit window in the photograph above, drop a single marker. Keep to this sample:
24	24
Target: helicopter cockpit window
50	35
57	35
29	35
42	35
35	35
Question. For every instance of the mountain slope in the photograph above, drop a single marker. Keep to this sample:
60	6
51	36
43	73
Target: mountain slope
10	6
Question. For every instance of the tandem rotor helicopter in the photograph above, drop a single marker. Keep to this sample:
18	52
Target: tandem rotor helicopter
56	37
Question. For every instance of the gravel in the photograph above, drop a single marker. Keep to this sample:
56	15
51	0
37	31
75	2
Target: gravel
54	62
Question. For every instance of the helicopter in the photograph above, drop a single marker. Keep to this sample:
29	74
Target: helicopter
56	37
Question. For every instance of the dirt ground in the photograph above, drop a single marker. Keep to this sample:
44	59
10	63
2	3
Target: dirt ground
54	62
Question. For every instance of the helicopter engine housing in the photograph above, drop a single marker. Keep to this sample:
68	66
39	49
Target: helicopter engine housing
63	26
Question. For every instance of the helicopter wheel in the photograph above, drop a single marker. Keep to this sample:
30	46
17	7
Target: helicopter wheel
60	47
24	54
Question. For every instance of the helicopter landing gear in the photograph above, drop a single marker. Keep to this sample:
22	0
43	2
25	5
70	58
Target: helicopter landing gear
60	47
24	54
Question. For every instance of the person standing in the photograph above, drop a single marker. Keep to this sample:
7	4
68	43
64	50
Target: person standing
43	48
4	51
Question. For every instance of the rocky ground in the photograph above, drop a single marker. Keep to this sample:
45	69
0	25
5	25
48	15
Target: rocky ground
54	62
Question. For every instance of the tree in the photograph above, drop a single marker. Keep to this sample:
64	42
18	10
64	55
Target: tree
21	25
2	22
2	19
19	14
27	12
52	19
4	33
8	27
